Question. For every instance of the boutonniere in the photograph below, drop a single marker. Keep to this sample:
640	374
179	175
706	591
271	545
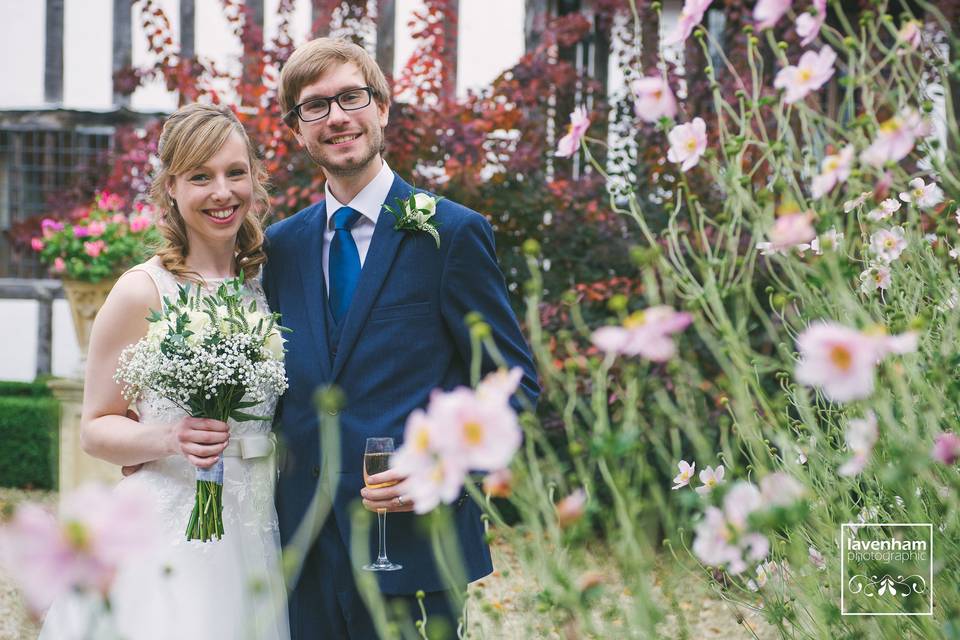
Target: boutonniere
415	214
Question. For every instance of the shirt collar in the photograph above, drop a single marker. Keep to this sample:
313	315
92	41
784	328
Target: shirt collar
370	199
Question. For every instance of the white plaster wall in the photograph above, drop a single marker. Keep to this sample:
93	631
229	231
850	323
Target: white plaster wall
18	351
88	54
21	49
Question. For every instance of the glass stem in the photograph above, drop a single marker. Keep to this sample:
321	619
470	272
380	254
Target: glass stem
382	536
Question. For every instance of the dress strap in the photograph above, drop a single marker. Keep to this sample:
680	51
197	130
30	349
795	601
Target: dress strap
163	280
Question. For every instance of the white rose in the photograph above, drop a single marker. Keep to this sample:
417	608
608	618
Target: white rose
274	344
198	322
157	332
425	202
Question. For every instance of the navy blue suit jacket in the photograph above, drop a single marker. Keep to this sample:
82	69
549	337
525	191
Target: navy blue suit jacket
403	336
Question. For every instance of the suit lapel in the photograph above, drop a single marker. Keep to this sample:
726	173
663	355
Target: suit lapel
314	287
376	266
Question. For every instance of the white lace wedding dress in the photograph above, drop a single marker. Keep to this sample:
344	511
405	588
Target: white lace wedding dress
229	589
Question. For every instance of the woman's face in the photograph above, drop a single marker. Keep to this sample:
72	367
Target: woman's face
215	197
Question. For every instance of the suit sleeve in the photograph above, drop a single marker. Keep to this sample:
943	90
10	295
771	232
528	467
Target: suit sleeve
472	281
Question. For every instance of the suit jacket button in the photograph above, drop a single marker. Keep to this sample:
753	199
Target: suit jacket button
333	412
315	471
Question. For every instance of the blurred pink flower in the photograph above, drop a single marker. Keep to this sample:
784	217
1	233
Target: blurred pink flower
842	361
888	244
861	436
570	143
808	25
36	244
96	228
59	266
80	231
118	218
98	531
500	384
438	479
486	433
910	34
779	489
850	205
790	230
50	227
109	201
817	559
685	476
652	99
644	333
810	73
923	195
834	170
690	16
722	538
895	138
687	143
946	448
498	484
571	508
140	223
768	12
94	248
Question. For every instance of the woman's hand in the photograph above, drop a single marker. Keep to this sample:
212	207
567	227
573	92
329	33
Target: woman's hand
200	440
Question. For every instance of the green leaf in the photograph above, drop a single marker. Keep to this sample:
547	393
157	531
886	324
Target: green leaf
240	416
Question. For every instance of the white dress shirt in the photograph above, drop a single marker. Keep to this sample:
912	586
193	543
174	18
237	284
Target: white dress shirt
368	202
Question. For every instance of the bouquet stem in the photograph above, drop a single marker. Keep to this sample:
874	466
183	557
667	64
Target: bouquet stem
206	519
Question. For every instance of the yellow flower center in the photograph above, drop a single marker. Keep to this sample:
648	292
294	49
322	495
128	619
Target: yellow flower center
805	75
841	357
422	441
635	319
890	126
691	144
832	163
77	535
473	433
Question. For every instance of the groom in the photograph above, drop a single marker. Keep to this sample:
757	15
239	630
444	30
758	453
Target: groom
379	313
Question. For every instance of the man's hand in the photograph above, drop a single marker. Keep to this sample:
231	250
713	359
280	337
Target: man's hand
386	498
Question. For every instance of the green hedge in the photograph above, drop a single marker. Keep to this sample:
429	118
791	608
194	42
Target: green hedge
37	389
28	433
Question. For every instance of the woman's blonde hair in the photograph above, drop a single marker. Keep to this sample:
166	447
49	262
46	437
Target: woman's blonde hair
190	137
311	60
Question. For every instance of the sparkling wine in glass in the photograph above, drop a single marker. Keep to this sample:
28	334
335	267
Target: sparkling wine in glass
376	458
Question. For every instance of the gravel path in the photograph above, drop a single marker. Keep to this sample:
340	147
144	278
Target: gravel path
502	606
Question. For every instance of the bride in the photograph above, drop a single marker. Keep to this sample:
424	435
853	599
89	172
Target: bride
210	196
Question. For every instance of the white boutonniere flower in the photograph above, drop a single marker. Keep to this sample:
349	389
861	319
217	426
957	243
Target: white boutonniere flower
416	214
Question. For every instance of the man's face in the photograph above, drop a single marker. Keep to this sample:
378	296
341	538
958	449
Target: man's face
345	142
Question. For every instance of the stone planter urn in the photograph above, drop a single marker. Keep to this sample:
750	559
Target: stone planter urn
85	299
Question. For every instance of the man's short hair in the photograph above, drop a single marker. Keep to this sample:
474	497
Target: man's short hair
313	59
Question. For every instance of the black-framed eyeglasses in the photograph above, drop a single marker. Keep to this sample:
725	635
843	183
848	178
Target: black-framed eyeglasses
319	108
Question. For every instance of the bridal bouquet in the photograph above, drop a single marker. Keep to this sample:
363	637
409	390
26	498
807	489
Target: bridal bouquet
214	357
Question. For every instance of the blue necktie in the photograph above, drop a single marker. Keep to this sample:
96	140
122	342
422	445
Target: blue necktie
344	262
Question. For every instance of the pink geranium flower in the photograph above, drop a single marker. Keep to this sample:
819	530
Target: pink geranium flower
570	143
80	231
808	25
687	143
690	16
36	244
109	201
809	74
946	448
652	99
50	227
895	138
861	436
644	333
59	266
768	12
97	532
842	361
834	170
96	228
94	248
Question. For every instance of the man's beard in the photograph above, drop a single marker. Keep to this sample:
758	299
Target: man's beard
349	167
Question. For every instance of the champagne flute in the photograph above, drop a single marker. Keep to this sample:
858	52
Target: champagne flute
376	458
